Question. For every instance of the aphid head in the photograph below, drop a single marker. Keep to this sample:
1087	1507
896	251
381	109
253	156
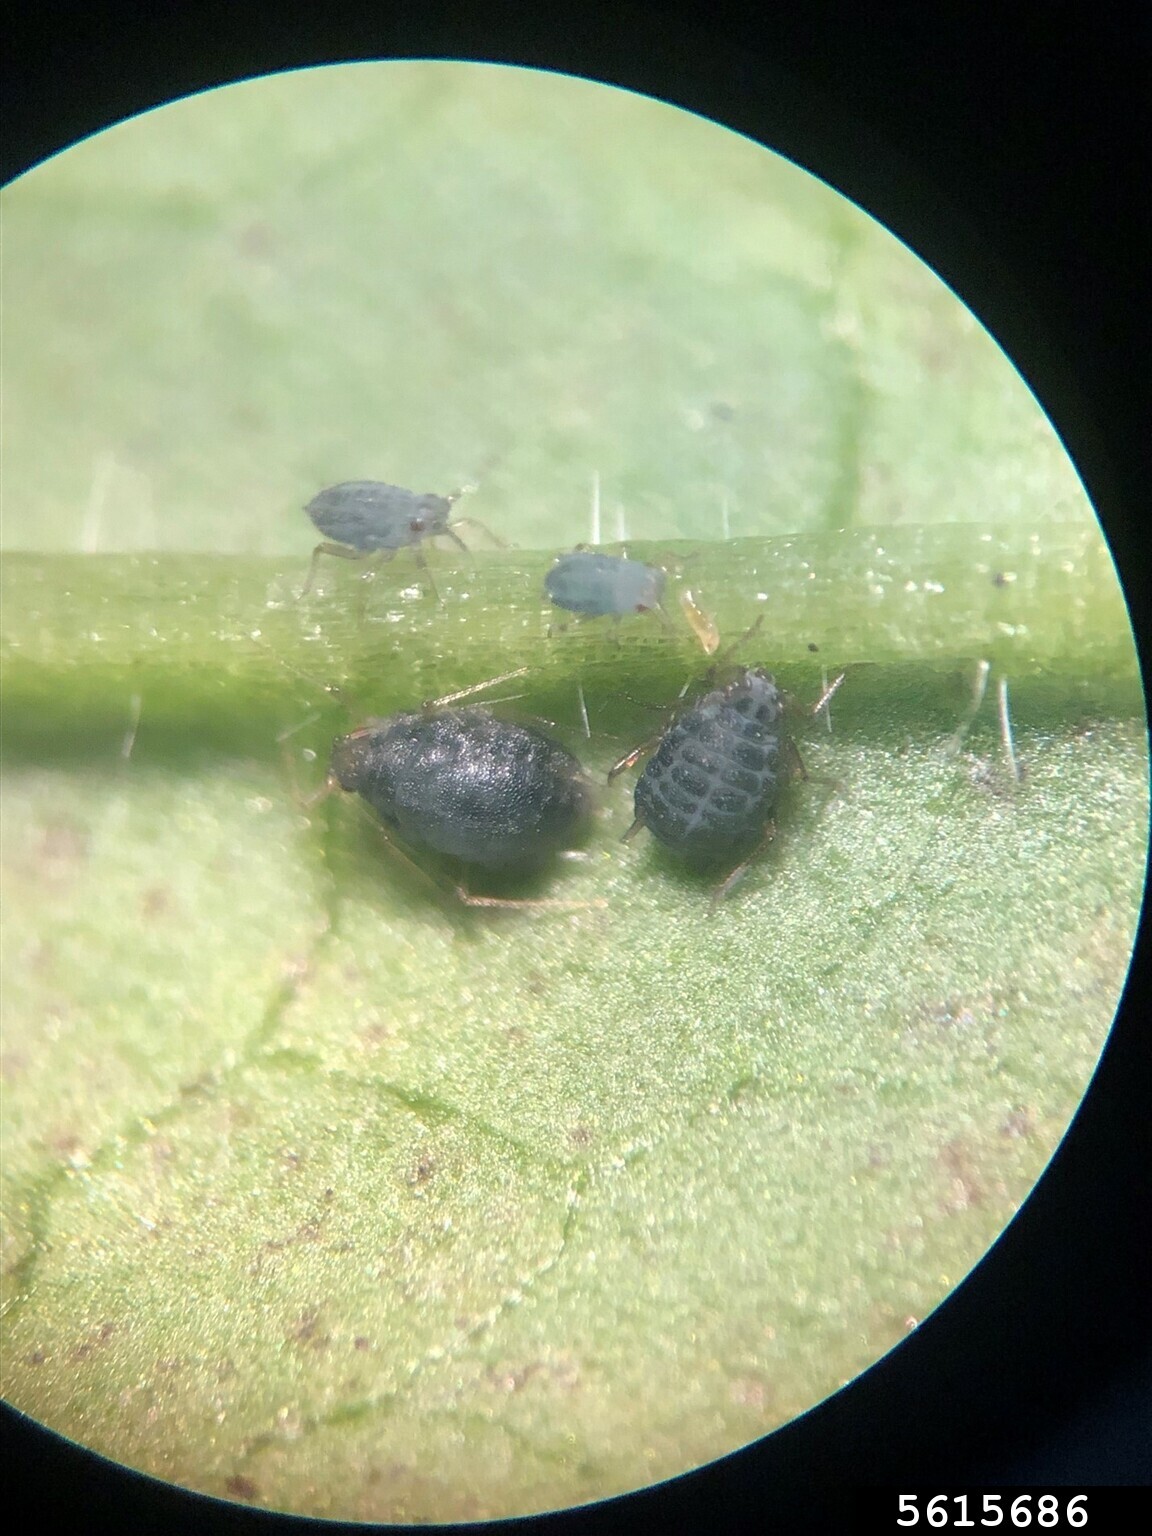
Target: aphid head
353	755
650	588
430	516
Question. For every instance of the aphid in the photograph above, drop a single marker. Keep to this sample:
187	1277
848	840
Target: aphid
595	584
490	793
365	517
708	791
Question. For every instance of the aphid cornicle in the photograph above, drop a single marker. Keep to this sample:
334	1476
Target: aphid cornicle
366	517
708	791
489	793
595	584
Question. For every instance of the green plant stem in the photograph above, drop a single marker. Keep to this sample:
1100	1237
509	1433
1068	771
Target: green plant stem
202	636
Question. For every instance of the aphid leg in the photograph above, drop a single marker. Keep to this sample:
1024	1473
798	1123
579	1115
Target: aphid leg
662	614
340	551
626	837
634	757
797	761
979	688
798	764
658	709
1006	729
394	849
542	903
373	560
396	852
421	561
730	881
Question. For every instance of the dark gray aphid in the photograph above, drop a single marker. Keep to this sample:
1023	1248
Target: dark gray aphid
462	782
595	584
366	517
708	791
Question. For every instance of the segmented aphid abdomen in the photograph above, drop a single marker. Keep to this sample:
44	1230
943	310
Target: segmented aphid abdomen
708	790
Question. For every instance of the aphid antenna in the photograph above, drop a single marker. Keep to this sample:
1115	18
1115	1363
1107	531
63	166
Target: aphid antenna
314	683
753	629
473	522
721	660
461	491
659	709
291	730
474	688
346	702
470	487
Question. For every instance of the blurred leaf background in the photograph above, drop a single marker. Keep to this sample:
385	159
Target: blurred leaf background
407	272
317	1192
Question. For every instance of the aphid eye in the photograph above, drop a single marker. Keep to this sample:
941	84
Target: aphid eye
416	525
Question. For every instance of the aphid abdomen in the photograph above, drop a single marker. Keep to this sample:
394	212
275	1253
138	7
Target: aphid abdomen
708	790
596	584
371	515
464	783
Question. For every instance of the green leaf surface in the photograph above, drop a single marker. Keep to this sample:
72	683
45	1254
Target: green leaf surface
321	1191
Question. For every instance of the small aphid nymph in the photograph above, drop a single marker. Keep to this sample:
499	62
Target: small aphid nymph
597	585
